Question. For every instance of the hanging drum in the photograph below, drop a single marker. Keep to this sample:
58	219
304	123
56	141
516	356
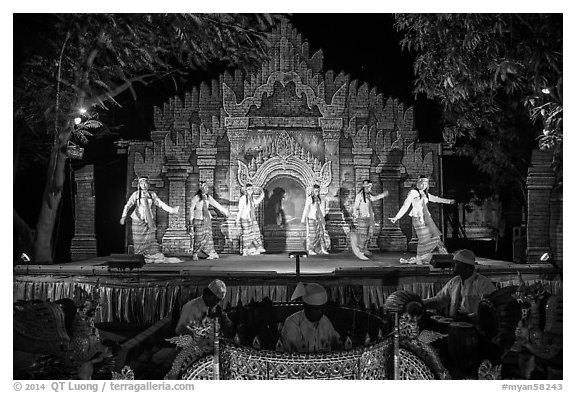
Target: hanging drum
498	316
463	344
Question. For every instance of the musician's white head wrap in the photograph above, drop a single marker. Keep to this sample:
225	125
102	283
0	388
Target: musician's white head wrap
218	288
311	293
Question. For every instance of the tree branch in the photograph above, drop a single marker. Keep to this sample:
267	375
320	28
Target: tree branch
128	85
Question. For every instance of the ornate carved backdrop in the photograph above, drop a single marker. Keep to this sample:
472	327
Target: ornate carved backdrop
287	120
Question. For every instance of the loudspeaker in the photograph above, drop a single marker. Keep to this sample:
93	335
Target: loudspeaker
125	261
442	261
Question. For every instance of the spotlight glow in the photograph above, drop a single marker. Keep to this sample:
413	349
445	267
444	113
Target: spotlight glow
77	120
82	111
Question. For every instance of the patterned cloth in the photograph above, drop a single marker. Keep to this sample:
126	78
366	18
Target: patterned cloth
251	237
145	243
365	231
318	238
203	240
301	335
429	239
144	238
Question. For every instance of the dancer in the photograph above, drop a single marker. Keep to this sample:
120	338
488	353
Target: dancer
317	239
250	236
363	212
201	222
428	233
144	222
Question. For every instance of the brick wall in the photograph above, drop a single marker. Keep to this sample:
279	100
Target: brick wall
84	241
557	227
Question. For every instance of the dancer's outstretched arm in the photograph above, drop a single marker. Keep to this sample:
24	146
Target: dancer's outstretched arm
158	202
218	206
436	199
407	202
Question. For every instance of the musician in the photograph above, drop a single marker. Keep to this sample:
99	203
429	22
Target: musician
310	330
464	291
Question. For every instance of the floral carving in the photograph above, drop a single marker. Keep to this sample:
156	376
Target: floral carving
150	163
178	150
233	109
415	163
383	145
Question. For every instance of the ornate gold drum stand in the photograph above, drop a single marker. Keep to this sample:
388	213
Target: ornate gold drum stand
371	356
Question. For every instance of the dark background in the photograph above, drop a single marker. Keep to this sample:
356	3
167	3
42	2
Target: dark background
365	46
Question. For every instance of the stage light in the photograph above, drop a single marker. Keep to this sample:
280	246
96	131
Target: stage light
77	120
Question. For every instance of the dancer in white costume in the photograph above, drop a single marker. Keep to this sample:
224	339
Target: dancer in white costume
251	238
143	218
317	238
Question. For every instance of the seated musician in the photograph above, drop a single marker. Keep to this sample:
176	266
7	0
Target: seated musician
464	291
309	330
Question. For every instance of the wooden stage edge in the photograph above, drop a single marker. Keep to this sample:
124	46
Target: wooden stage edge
278	268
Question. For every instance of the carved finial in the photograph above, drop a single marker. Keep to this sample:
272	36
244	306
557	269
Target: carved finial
279	346
256	343
367	339
348	343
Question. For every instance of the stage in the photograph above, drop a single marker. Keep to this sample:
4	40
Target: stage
280	266
147	294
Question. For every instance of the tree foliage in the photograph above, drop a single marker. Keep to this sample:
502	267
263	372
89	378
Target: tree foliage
88	59
498	78
76	62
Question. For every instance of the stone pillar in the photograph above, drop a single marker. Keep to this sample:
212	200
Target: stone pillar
391	237
336	226
331	128
206	162
84	240
362	161
176	239
540	183
237	129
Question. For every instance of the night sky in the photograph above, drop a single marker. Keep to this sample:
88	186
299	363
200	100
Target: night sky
365	46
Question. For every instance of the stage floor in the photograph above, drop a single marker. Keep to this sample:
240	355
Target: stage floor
277	266
149	293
